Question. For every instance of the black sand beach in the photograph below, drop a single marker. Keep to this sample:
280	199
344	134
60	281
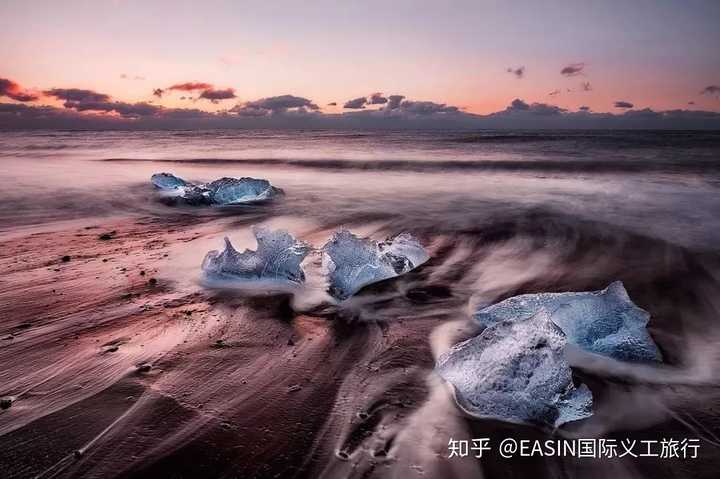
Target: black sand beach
116	362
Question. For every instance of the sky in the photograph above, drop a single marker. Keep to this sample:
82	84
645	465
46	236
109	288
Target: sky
476	56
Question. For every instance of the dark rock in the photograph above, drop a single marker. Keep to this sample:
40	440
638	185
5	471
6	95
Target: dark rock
65	259
107	236
143	368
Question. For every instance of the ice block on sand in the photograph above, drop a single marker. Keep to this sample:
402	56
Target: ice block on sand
232	191
225	191
515	371
352	262
278	258
605	322
167	181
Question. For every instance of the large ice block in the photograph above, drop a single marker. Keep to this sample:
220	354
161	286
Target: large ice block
515	371
352	262
167	181
278	258
605	322
233	191
225	191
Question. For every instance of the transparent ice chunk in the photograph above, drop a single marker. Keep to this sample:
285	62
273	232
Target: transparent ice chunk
278	258
225	191
352	262
605	322
515	371
167	181
231	191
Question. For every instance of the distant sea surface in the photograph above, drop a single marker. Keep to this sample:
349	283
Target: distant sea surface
663	182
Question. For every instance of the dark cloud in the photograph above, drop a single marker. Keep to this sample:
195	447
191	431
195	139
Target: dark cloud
518	105
250	111
585	86
573	69
129	110
184	114
12	90
275	105
87	109
536	109
708	119
712	90
426	108
396	107
77	95
377	99
91	101
543	109
645	114
332	103
356	103
554	93
190	86
124	115
207	91
394	101
519	72
691	103
623	104
28	111
216	95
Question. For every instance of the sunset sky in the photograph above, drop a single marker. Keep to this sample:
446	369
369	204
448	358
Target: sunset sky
476	55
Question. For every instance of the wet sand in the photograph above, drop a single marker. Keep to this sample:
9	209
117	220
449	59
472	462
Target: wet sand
115	369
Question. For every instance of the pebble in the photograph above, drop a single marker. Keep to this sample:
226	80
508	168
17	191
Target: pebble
107	236
143	368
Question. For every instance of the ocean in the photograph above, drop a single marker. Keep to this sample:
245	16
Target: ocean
650	181
501	213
